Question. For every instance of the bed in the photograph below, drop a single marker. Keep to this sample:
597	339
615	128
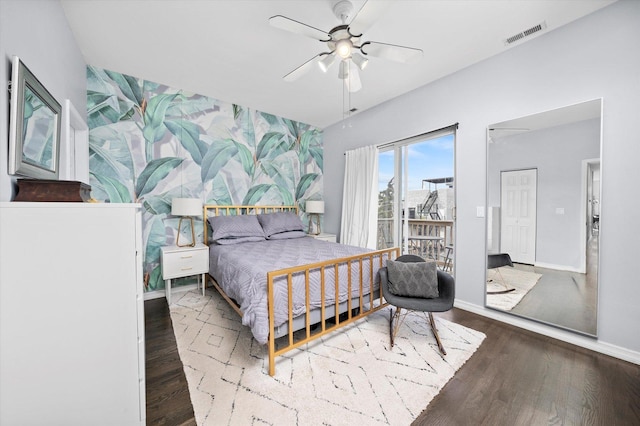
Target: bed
283	282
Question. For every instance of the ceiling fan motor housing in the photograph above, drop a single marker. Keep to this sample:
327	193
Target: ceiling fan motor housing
343	10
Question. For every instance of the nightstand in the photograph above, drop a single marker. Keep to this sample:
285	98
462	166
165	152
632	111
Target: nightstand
325	237
178	262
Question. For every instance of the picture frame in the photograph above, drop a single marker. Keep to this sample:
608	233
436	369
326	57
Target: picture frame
34	126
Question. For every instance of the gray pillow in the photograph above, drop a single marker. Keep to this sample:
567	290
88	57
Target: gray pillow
275	223
229	227
418	279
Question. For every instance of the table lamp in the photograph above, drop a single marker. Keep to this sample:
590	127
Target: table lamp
314	209
186	207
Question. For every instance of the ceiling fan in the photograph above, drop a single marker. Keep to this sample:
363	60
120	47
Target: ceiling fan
344	42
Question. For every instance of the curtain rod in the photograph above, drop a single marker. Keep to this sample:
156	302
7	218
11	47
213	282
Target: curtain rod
453	126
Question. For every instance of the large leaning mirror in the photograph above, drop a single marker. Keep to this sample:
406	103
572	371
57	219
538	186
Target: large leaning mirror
543	216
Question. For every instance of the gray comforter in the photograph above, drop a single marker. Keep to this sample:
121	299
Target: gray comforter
241	271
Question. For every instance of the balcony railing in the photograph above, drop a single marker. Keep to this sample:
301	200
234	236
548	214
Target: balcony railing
430	239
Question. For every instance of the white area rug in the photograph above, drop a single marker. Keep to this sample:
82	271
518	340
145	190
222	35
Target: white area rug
346	378
522	281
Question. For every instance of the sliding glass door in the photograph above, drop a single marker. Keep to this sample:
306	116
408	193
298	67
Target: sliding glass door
416	201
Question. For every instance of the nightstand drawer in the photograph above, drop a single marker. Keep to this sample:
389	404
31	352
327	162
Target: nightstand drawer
185	263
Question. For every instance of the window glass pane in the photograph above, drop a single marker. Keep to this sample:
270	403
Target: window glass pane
416	197
386	199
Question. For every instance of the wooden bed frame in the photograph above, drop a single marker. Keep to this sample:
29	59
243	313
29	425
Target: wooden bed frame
347	312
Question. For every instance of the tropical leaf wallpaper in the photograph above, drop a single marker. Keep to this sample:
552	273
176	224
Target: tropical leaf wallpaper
149	143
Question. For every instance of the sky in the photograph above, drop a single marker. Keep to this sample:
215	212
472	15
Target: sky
427	160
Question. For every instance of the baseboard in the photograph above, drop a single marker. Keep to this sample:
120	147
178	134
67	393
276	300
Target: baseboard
566	336
559	267
157	294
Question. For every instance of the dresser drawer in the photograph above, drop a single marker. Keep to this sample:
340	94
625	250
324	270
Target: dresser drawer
184	263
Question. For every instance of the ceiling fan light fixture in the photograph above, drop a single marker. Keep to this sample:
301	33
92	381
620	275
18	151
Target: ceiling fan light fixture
343	48
326	62
345	42
343	74
359	60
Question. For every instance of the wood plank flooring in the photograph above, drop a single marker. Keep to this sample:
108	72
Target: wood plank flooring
515	378
567	299
522	378
168	401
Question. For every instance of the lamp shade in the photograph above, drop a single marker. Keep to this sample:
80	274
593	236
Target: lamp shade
343	72
326	62
313	206
186	207
359	60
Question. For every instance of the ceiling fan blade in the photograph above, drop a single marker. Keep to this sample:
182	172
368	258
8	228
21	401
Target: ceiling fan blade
368	15
353	79
301	70
392	52
294	26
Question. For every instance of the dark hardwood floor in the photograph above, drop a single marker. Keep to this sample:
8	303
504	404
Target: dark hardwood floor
515	378
522	378
168	401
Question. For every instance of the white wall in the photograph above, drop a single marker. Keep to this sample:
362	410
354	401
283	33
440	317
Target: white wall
596	56
557	154
37	32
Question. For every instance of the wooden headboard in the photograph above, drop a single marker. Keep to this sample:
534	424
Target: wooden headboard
215	210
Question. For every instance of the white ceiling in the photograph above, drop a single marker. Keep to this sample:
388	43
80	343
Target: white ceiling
546	119
227	50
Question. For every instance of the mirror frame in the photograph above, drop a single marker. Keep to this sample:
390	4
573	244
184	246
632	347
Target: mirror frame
22	79
597	291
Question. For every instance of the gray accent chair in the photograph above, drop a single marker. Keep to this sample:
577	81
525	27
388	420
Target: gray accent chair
444	302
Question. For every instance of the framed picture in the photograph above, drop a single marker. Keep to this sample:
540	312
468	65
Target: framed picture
34	128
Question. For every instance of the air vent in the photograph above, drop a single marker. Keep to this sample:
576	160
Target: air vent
526	33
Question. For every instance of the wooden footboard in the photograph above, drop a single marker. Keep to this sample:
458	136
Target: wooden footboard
365	291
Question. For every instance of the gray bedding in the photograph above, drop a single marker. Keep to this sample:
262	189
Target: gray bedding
241	271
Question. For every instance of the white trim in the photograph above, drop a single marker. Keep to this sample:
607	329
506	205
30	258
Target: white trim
76	145
155	294
556	333
158	294
559	267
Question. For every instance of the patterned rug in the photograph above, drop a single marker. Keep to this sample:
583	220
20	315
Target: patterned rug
348	377
522	281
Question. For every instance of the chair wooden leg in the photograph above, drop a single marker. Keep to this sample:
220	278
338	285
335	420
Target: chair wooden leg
391	326
398	319
435	333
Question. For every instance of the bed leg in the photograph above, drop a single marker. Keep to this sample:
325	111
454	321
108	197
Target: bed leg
272	357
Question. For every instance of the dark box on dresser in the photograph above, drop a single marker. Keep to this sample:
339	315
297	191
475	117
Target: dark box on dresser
52	190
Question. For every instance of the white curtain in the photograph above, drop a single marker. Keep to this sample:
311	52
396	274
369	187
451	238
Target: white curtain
360	198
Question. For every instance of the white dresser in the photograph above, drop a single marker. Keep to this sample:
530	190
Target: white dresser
71	314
